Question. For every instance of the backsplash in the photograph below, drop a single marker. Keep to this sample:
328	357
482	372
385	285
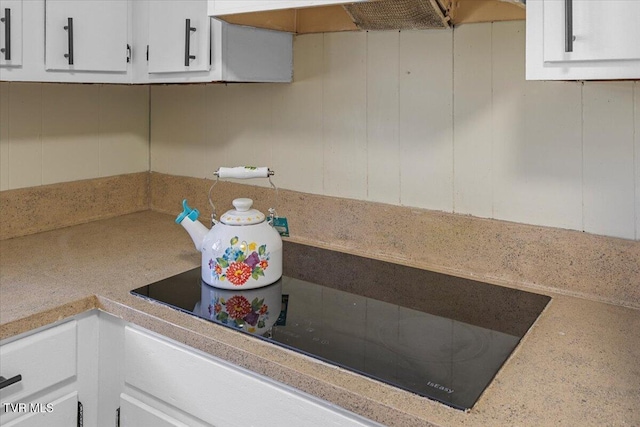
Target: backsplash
523	256
32	210
52	133
441	120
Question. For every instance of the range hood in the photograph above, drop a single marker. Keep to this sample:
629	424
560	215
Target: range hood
338	15
397	15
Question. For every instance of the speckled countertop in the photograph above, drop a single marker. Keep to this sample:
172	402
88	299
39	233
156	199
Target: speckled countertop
578	365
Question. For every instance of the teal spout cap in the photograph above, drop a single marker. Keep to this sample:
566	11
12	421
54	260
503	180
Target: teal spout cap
187	212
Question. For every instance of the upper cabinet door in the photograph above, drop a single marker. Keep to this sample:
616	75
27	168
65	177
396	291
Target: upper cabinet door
10	33
225	7
600	30
87	35
179	36
583	39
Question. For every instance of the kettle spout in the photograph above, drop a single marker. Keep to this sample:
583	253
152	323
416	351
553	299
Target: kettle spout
189	220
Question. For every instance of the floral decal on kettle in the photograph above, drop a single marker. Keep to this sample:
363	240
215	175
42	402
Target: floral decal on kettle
240	262
238	312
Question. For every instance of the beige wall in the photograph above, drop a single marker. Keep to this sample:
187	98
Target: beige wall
431	119
441	120
51	133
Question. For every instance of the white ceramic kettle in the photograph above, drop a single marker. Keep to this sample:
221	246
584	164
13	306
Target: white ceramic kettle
242	250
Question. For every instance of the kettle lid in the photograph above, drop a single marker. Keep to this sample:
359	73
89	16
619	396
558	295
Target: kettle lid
242	214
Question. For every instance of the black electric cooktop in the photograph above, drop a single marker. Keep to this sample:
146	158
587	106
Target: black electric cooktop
436	335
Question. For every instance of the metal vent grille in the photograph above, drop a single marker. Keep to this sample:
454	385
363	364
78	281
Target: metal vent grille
397	15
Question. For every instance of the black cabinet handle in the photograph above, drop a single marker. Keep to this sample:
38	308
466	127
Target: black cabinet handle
4	382
187	42
568	26
7	34
69	28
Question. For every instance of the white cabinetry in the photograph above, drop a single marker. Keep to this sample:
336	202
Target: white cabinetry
47	363
115	371
226	7
87	35
179	38
26	40
97	31
65	367
219	51
141	41
62	412
173	385
583	39
10	33
136	413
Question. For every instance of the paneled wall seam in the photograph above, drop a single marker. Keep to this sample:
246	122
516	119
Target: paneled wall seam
582	160
148	90
366	118
8	151
453	122
322	128
398	151
453	128
492	136
42	160
636	161
100	131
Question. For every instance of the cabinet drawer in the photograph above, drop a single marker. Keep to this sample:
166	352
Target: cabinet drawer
217	392
43	359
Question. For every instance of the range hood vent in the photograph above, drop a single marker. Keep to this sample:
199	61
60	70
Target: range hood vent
397	15
345	15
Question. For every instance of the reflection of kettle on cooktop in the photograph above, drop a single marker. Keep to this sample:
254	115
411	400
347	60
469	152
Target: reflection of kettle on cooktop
252	310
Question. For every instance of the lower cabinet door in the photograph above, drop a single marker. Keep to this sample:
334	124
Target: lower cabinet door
171	375
62	412
43	360
134	413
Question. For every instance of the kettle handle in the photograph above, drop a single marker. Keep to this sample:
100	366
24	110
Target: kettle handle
244	172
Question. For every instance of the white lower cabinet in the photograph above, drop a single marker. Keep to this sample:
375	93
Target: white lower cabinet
59	412
68	371
136	413
97	370
187	387
46	365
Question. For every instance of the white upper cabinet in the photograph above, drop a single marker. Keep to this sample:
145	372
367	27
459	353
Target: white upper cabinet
141	41
87	35
10	33
226	7
22	33
179	38
583	39
176	41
